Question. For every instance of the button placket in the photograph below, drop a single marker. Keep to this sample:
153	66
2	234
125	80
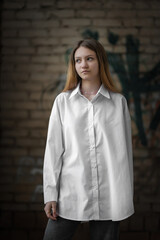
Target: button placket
93	159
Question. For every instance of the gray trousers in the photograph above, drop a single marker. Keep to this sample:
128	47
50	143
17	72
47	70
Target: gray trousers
64	229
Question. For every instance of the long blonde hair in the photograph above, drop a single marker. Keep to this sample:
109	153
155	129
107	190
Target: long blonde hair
73	78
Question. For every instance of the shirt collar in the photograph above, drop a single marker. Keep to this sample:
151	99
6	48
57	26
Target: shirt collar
103	90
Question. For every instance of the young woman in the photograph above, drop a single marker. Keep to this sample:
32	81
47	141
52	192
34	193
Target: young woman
88	162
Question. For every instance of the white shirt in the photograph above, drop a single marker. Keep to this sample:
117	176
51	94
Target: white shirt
88	162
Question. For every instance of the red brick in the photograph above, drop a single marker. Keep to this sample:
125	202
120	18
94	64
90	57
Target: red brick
119	13
107	23
155	236
25	105
15	42
36	234
26	50
50	23
69	13
136	222
15	114
148	198
13	5
142	5
23	198
15	133
31	123
152	222
40	114
36	206
36	152
5	234
33	33
30	142
17	188
30	14
57	67
13	152
19	235
134	236
46	59
7	123
25	86
33	5
156	207
21	67
16	24
16	59
124	31
7	67
41	220
25	220
152	32
148	13
5	219
9	33
138	22
7	142
118	5
90	13
6	197
124	225
8	51
76	22
5	161
45	41
15	79
6	179
14	207
86	4
8	14
47	49
64	4
35	76
142	207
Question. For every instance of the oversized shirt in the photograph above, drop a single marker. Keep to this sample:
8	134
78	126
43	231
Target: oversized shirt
88	162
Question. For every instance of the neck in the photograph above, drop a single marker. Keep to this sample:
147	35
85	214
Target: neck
90	87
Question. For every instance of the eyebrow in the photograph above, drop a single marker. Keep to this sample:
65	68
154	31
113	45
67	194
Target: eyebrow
87	56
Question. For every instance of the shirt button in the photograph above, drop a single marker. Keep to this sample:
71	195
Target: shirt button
92	147
94	166
95	187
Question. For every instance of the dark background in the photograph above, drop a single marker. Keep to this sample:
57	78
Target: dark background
36	39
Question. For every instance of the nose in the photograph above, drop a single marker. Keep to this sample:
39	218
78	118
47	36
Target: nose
84	64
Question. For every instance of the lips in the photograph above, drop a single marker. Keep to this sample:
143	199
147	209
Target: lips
85	71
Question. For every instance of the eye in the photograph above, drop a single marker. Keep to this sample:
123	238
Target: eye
77	60
90	58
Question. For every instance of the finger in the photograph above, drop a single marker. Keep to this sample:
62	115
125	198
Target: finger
47	208
48	212
54	208
49	215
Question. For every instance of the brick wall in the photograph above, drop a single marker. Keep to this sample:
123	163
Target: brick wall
36	36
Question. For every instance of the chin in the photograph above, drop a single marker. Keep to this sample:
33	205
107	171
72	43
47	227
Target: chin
86	78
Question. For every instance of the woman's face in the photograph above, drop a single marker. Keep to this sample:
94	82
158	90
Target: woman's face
86	64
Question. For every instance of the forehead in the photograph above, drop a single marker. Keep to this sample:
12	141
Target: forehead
84	51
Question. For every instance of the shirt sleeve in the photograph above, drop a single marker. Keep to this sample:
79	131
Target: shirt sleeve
128	133
52	157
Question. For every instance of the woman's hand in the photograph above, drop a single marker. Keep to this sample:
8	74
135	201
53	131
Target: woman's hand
50	210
